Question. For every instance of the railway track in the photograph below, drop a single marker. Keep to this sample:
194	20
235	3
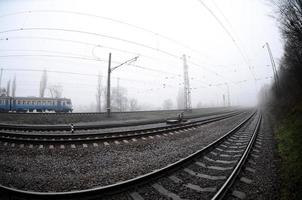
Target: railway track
35	138
67	127
208	173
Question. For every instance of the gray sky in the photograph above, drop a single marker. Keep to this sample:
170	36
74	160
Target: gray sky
157	31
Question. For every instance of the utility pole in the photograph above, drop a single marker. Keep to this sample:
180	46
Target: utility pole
108	79
276	77
187	91
108	86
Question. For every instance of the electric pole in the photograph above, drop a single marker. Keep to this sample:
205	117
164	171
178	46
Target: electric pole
108	79
276	77
187	91
108	86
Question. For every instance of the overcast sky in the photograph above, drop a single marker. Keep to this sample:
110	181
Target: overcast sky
77	36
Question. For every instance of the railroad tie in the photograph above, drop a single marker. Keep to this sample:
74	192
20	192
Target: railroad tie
250	169
200	189
205	176
125	141
165	192
213	167
136	196
175	179
219	161
239	194
246	180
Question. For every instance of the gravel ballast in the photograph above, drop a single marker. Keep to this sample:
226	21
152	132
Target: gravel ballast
67	169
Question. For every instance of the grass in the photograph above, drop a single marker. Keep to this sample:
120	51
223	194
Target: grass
289	136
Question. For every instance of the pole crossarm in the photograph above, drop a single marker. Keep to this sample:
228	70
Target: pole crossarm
126	62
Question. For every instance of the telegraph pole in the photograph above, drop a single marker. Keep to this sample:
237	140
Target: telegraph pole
276	77
108	86
187	91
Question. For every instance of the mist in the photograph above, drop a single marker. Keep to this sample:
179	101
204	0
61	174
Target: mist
72	40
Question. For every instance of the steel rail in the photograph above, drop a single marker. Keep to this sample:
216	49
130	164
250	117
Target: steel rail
63	138
231	179
122	186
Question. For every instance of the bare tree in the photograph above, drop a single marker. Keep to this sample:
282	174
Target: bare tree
43	83
133	104
14	87
167	104
199	105
56	91
8	88
119	100
99	94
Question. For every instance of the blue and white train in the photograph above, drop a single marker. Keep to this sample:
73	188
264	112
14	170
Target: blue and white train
31	104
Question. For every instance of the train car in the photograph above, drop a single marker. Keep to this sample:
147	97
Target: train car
4	104
31	104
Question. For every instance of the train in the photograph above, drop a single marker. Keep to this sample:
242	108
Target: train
34	104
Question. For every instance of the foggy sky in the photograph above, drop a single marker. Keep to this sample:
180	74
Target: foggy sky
187	26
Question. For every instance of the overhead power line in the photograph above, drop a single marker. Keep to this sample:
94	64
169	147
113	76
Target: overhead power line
108	19
94	34
75	73
100	35
229	34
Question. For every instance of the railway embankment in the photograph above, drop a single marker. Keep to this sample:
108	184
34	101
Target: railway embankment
288	134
